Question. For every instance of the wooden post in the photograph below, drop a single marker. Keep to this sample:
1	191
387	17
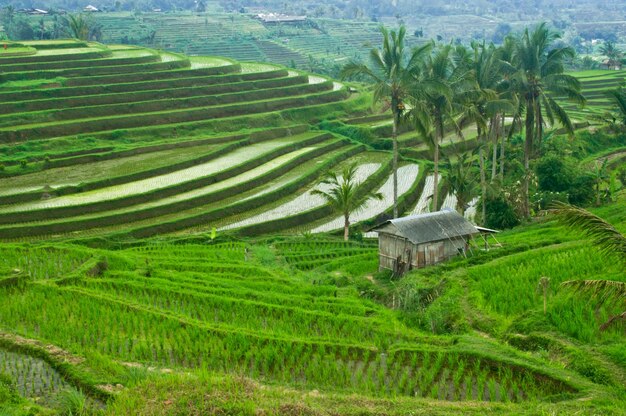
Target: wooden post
544	284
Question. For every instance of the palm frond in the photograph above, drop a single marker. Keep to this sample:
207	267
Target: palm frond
602	291
618	96
602	234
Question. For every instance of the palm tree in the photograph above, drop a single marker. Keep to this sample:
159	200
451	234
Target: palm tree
8	20
345	194
600	175
390	69
78	26
613	54
604	235
505	54
539	72
461	179
612	243
618	96
434	89
485	105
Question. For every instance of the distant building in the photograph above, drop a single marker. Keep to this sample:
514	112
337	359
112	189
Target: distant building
33	11
275	18
90	9
421	240
612	64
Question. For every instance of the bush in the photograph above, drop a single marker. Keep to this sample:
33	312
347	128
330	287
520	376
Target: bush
582	190
543	200
500	214
554	173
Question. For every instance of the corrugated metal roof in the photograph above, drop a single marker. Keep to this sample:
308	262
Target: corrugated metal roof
432	226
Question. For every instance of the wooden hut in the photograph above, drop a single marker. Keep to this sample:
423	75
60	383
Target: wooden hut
421	240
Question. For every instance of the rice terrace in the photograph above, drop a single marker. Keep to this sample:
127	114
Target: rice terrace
263	208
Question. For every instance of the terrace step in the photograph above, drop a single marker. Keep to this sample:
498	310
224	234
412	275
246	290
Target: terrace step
48	130
162	206
77	64
142	96
59	56
160	103
169	79
168	70
115	70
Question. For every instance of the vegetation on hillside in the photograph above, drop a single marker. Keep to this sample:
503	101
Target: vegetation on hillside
162	222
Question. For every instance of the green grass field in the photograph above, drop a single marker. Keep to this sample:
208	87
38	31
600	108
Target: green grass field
258	324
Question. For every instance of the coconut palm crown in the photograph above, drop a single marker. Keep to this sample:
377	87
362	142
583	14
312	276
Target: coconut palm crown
390	70
345	194
539	78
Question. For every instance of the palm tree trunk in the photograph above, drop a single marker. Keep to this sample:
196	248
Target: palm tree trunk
394	135
346	226
483	179
438	134
495	125
538	129
528	148
507	137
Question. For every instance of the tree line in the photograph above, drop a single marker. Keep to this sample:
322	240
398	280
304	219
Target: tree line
17	26
506	92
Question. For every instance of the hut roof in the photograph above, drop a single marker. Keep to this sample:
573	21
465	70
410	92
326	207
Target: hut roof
433	226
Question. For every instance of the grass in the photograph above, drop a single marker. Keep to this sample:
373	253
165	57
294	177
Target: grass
202	296
175	293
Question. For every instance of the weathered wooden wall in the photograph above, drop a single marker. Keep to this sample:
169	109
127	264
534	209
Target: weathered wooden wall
391	247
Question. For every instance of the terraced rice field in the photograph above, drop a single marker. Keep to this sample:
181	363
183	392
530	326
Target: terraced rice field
407	175
158	142
33	377
206	305
594	85
303	202
242	37
423	203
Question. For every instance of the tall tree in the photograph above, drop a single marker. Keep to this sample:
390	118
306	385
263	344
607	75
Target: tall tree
485	106
78	26
618	97
8	18
612	53
461	179
390	69
434	89
345	194
538	79
505	54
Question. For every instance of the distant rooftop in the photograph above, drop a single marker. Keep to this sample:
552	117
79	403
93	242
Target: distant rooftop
279	18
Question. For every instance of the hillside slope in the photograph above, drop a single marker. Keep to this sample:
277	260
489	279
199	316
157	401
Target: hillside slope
302	325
